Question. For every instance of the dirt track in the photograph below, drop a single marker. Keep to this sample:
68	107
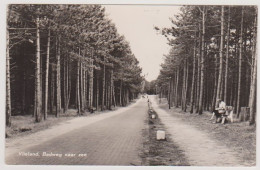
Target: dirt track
199	148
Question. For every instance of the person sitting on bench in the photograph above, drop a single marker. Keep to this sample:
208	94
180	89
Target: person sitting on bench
219	111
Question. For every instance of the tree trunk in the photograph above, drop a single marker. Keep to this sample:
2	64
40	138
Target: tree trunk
114	96
240	63
47	76
86	88
52	90
215	83
97	98
8	87
58	89
91	85
176	90
123	96
198	72
66	85
103	87
69	83
38	108
220	55
183	85
24	104
231	91
127	95
111	88
202	62
208	89
41	92
235	85
65	91
222	87
169	93
252	96
193	78
78	87
227	57
172	89
107	91
120	93
186	86
81	87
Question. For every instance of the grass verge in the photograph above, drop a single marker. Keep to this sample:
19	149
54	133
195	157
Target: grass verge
25	125
162	152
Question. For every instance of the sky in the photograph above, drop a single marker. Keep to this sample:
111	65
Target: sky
136	23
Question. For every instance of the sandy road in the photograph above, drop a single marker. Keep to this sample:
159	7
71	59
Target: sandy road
198	147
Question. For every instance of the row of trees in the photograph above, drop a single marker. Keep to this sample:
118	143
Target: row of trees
213	56
66	56
150	87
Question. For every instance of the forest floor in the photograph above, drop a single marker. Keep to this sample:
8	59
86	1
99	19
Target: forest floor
25	125
238	137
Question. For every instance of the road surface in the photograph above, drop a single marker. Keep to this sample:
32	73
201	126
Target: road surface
113	138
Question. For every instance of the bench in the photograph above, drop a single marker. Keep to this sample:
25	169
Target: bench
91	109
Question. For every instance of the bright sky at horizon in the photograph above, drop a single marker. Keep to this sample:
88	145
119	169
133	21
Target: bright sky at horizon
136	23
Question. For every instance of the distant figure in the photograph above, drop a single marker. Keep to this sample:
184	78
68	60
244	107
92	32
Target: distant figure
149	104
219	110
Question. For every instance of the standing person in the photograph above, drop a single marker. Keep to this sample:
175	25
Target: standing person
219	110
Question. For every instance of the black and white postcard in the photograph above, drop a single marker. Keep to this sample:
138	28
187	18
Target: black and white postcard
97	84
